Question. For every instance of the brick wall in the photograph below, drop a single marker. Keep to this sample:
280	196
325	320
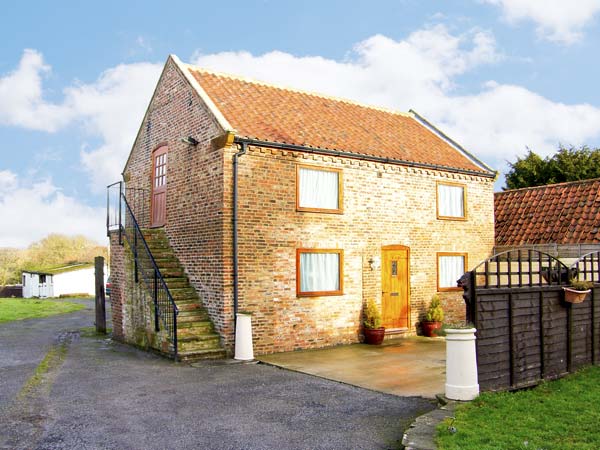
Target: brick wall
383	205
117	290
132	306
194	217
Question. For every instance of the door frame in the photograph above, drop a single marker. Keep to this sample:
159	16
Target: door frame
408	305
153	168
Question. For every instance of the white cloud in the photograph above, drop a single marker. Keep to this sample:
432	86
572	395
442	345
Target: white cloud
36	210
557	20
421	72
379	70
112	108
21	97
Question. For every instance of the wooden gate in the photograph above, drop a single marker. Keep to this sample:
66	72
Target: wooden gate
526	332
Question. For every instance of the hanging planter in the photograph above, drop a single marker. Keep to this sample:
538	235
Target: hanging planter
574	296
578	291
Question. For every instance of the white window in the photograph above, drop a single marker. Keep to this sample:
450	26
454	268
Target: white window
451	266
318	190
319	272
451	201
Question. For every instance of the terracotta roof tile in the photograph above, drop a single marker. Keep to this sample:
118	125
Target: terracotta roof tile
264	112
565	213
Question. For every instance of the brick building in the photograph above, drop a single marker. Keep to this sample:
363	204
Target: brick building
298	208
559	219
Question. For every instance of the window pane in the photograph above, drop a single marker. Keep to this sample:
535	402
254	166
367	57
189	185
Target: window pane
451	201
451	268
319	272
318	189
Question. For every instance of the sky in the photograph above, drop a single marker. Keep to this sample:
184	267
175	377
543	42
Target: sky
498	76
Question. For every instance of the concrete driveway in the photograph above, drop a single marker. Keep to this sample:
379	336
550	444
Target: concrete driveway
67	389
413	366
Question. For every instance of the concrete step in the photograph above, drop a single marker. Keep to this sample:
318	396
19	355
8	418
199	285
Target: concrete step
199	355
197	330
167	263
182	293
172	273
177	283
189	306
192	316
206	343
162	253
158	245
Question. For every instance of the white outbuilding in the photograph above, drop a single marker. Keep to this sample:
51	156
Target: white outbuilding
67	280
37	284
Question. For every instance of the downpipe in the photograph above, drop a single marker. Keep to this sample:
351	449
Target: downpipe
236	157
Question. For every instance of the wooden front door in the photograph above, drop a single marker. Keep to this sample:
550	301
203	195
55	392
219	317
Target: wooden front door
395	286
159	186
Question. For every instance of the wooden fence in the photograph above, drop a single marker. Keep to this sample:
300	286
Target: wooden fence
526	332
11	291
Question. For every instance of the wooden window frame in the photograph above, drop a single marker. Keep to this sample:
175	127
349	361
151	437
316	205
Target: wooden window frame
437	263
337	251
437	201
340	209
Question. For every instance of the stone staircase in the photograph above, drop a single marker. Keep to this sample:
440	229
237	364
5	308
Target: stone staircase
195	332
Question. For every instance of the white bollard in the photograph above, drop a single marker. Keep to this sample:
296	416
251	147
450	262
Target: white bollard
243	338
461	364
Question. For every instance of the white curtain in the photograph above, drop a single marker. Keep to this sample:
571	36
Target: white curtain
451	201
319	272
451	269
318	189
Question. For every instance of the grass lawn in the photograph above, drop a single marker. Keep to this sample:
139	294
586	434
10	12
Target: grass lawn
29	308
562	414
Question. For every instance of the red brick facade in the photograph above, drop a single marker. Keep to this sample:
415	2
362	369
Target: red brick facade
384	204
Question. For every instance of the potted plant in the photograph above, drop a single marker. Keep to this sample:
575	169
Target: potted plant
373	330
577	291
434	316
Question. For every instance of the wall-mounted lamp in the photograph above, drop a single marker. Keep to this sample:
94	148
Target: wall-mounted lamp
375	262
190	141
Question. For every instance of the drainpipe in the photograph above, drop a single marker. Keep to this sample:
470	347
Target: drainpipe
243	150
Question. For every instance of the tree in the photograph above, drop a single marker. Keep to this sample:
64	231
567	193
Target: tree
10	262
53	251
59	249
568	164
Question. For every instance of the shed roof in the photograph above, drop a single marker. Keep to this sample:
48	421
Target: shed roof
565	213
261	111
55	270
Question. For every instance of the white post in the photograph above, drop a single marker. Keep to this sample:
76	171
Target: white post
461	364
243	338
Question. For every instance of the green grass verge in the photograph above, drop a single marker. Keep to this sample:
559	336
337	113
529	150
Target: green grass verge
29	308
562	414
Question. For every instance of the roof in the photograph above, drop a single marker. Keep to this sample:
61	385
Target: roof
565	213
260	111
55	270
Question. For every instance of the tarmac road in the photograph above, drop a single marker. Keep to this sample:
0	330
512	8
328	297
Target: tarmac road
94	393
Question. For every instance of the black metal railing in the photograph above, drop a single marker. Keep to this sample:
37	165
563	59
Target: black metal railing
138	201
121	218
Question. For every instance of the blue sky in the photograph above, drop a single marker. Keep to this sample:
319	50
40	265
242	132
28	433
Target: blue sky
499	76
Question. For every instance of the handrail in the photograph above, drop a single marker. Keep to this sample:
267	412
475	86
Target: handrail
163	300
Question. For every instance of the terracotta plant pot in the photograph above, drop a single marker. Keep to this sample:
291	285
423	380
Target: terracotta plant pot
430	327
573	296
374	336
